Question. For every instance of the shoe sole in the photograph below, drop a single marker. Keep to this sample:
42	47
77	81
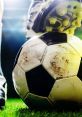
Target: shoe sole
2	103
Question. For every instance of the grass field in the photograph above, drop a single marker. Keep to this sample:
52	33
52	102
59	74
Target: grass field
16	108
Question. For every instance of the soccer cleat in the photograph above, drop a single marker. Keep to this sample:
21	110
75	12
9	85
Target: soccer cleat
33	12
3	91
52	15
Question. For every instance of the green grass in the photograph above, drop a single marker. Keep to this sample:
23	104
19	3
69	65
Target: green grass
79	33
17	108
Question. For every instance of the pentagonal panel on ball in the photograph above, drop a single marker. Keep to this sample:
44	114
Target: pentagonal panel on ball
19	80
39	81
51	38
31	54
61	60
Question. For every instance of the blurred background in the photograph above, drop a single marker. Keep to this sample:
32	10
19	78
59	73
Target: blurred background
15	14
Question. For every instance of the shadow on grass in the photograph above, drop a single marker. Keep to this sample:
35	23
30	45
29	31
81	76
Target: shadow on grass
59	107
55	112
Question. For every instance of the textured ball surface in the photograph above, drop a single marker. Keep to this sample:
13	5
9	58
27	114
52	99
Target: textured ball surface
48	69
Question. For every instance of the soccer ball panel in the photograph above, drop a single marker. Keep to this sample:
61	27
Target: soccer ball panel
67	89
35	101
54	38
39	81
17	56
76	43
61	60
19	80
80	70
31	54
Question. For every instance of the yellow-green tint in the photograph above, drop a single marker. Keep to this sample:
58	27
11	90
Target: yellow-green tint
65	22
49	29
52	20
60	29
67	89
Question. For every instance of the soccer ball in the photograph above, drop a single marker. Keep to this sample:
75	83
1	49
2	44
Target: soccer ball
47	70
